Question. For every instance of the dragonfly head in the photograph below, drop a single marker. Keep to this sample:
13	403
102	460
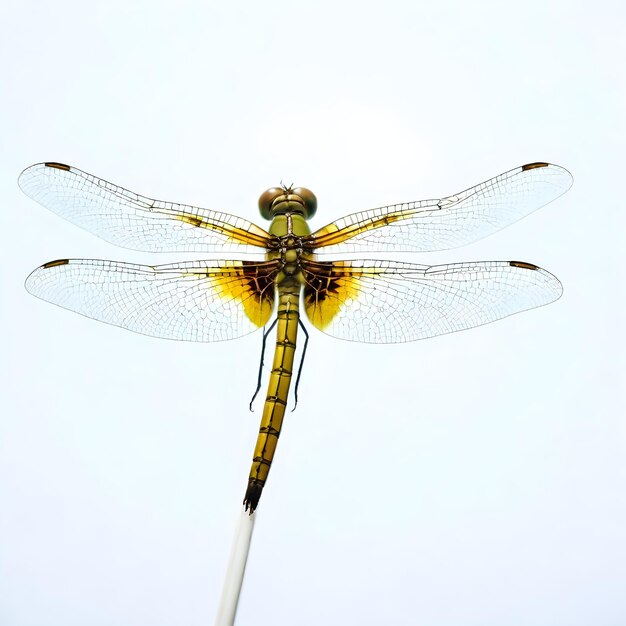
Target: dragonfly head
280	200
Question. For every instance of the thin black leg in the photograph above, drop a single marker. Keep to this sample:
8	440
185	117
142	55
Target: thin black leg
258	386
306	343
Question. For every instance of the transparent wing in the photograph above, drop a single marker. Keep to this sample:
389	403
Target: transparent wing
132	221
393	302
194	301
449	222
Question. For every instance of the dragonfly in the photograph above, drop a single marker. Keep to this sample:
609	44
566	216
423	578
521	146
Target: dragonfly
372	301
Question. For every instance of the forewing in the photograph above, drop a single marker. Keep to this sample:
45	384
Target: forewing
194	301
448	222
133	221
393	302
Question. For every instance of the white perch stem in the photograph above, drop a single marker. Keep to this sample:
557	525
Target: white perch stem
236	570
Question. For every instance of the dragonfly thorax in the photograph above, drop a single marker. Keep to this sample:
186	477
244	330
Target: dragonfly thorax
282	200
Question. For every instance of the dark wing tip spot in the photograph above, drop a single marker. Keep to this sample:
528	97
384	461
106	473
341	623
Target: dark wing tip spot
522	264
45	266
532	166
58	166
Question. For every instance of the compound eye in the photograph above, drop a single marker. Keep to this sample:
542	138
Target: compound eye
267	199
310	201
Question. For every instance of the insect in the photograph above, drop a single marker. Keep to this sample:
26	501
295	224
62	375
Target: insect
371	301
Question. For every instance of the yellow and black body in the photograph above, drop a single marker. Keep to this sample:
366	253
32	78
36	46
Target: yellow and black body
288	209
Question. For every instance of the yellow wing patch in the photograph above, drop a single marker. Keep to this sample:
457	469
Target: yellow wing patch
328	286
253	237
332	234
248	282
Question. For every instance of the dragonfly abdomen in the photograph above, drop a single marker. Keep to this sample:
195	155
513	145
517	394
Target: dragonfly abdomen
278	390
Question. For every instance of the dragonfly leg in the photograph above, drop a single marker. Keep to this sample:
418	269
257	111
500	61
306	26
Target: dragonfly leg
306	343
258	386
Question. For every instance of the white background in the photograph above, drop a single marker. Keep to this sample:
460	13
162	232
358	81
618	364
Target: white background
472	479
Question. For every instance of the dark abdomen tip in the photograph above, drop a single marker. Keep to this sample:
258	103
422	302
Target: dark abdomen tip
253	495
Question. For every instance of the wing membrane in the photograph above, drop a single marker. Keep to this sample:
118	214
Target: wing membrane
393	302
133	221
448	222
194	301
